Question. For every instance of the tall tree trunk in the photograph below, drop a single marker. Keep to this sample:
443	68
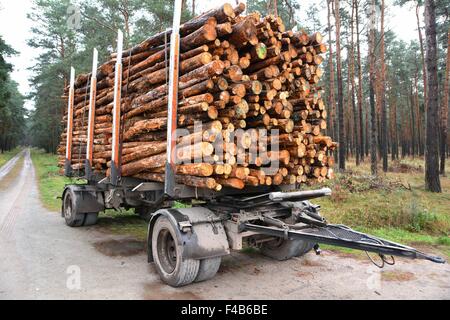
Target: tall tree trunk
422	53
272	7
331	97
193	8
360	85
393	125
291	13
366	132
348	124
125	11
353	84
444	111
432	180
384	130
417	123
342	144
413	123
373	116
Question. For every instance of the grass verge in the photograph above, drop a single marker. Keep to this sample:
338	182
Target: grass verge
51	185
8	155
51	182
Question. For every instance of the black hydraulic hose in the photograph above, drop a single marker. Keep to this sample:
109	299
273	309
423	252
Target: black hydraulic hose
381	266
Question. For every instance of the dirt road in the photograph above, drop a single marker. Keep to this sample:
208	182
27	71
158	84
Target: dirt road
40	258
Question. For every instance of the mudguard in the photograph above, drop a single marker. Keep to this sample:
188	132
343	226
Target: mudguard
86	199
200	233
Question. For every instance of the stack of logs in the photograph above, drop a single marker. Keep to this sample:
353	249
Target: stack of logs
236	72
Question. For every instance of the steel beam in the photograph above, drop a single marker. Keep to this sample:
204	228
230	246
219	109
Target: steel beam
172	117
91	121
115	159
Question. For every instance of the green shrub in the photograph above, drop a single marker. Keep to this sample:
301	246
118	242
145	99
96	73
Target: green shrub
420	219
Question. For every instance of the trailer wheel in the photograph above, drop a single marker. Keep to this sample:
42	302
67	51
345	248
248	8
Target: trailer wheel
305	248
145	213
208	269
91	219
167	255
72	217
282	250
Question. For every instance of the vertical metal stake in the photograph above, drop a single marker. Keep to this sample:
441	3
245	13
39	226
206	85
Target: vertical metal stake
115	160
172	117
91	123
68	162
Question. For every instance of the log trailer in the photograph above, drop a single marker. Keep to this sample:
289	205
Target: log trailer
187	245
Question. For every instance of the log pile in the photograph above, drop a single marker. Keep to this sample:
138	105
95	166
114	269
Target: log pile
236	72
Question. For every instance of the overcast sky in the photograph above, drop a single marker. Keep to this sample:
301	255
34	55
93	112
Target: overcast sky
15	30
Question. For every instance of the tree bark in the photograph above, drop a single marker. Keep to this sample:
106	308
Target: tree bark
432	180
422	53
342	145
353	84
384	130
360	85
413	122
373	120
331	97
418	122
444	111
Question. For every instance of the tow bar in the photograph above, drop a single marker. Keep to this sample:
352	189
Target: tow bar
310	226
342	236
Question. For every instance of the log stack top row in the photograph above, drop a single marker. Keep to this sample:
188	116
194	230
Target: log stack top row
236	72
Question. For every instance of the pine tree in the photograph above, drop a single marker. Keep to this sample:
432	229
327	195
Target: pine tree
432	181
373	130
360	83
444	111
331	91
342	142
384	131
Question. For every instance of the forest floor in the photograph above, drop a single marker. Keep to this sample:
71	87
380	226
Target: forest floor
394	205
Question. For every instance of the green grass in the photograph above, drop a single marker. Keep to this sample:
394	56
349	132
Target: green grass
394	206
51	185
123	223
51	182
8	155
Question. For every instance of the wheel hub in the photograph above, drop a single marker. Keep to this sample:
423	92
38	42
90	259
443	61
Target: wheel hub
167	251
68	208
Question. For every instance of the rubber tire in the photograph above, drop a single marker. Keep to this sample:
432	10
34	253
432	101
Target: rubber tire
286	249
186	270
91	219
305	248
144	213
73	219
208	269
